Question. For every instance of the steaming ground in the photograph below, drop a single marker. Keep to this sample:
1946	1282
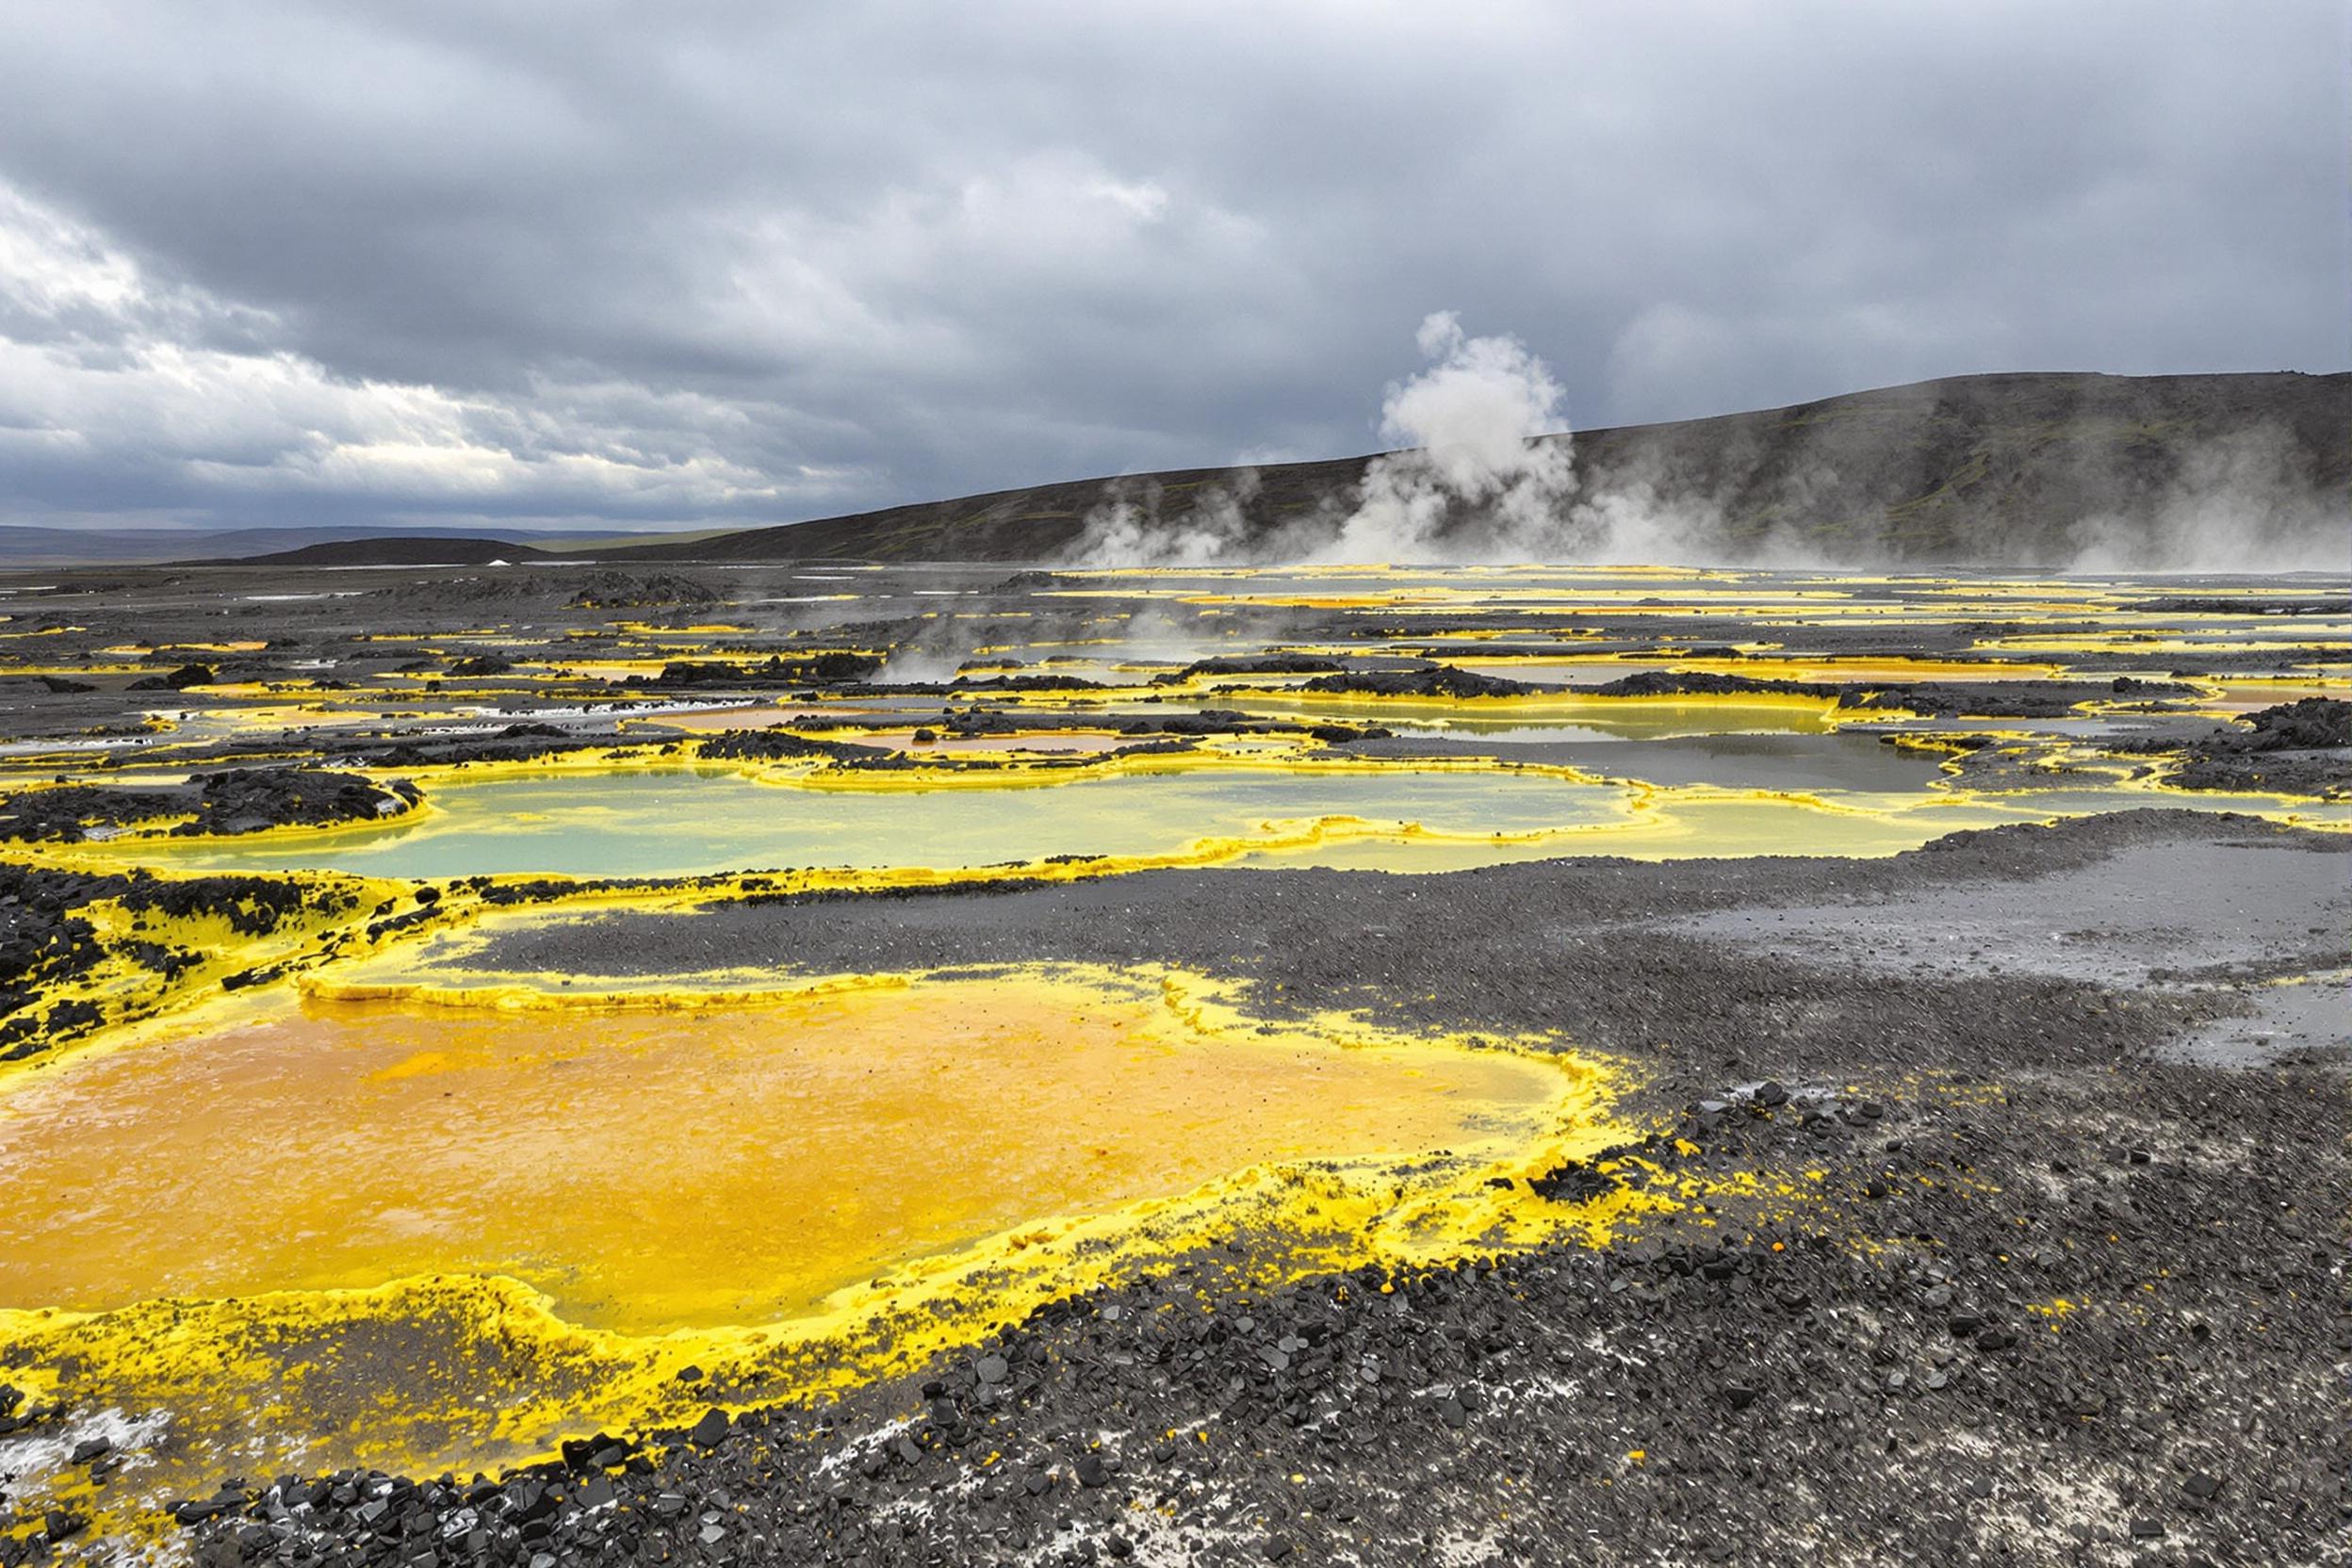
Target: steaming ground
1486	471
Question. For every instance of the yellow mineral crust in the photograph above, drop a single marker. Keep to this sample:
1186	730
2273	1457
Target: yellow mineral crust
340	1231
211	953
1817	668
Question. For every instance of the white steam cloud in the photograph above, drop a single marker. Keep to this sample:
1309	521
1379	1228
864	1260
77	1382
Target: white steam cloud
1485	473
1471	423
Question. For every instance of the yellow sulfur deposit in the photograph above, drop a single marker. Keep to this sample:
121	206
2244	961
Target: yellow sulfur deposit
540	1212
651	1169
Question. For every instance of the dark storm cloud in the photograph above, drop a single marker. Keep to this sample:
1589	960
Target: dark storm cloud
732	261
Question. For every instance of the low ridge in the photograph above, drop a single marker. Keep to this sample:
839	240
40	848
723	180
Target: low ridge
1984	470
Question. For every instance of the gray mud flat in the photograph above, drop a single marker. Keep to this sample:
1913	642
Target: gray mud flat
2158	908
2069	1287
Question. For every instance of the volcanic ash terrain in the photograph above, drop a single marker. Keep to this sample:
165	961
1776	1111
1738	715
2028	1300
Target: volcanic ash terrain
818	1063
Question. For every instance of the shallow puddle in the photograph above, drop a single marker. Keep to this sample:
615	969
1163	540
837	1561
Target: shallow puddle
684	822
1623	718
1064	742
1600	669
719	720
1698	823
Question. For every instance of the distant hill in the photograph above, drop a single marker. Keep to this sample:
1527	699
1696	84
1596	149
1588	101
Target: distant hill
397	550
2003	469
1037	523
1998	470
31	546
2245	471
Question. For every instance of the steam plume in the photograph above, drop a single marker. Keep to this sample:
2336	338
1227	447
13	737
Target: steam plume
1471	423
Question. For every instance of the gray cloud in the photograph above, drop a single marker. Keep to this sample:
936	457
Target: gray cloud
735	262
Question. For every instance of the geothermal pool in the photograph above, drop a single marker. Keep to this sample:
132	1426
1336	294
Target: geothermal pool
652	820
651	1169
406	1233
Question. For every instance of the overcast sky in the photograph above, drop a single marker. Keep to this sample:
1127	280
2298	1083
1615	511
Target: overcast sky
397	261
